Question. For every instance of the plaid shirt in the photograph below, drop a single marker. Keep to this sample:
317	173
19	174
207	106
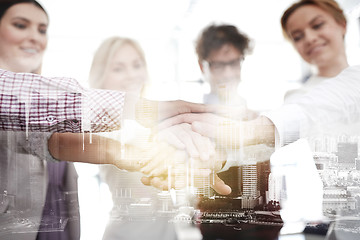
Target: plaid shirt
31	102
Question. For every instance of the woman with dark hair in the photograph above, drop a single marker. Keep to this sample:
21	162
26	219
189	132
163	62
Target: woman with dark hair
34	191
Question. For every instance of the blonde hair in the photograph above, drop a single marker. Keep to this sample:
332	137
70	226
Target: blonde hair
329	6
103	56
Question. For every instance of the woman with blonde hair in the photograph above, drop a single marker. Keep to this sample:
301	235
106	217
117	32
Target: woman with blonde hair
119	64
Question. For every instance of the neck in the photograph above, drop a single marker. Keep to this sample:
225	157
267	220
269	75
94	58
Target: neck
333	69
18	68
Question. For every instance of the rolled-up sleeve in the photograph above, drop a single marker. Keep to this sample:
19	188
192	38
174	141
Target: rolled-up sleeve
31	102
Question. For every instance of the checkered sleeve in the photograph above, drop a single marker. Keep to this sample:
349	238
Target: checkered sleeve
31	102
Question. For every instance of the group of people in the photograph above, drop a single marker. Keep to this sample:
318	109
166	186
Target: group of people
48	123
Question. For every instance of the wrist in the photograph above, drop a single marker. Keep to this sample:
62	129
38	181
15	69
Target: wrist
259	131
125	157
146	112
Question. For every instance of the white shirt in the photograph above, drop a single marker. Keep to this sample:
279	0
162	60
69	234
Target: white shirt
313	81
333	102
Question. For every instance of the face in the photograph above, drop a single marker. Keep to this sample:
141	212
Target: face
126	71
316	35
222	69
23	38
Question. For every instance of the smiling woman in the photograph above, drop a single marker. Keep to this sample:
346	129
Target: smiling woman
316	29
37	187
23	37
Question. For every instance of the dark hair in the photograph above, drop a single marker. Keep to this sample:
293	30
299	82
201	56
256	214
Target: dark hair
214	37
6	4
329	6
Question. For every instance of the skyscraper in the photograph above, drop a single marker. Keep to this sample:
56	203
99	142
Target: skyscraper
347	153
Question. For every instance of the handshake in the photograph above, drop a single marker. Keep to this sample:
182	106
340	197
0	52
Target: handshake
187	146
189	143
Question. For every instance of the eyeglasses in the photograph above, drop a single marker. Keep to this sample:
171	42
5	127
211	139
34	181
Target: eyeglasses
219	66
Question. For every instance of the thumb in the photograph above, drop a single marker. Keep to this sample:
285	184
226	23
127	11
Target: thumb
220	187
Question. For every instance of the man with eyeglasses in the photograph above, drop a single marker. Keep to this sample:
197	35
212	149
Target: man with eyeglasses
221	50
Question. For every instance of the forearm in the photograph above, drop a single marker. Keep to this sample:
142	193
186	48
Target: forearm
259	131
77	148
238	134
89	148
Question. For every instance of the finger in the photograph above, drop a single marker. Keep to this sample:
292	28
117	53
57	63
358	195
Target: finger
159	183
164	162
161	169
182	118
149	154
204	146
186	138
200	144
159	160
219	159
146	181
187	118
202	108
226	133
170	138
219	186
204	129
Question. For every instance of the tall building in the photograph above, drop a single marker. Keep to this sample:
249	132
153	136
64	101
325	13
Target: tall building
275	188
358	164
250	191
263	171
347	153
250	180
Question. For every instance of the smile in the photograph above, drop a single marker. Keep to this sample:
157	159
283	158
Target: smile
315	49
30	50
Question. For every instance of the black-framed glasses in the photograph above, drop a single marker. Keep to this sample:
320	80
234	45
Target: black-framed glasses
219	66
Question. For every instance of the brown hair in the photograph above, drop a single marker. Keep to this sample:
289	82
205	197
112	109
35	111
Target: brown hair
329	6
214	37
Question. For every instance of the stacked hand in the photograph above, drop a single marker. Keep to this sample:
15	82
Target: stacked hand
190	142
198	136
196	156
174	156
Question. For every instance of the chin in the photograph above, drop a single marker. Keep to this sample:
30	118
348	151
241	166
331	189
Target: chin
30	68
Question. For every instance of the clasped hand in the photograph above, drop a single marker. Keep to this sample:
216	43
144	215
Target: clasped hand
178	153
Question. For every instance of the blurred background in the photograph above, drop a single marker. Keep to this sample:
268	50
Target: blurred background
167	30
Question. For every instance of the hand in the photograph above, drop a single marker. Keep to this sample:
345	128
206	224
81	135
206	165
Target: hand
189	118
217	184
181	172
226	132
182	137
168	164
149	113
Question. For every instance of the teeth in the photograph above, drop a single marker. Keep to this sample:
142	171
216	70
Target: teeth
315	49
30	50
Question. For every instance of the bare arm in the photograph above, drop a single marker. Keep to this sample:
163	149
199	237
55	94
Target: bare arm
95	149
